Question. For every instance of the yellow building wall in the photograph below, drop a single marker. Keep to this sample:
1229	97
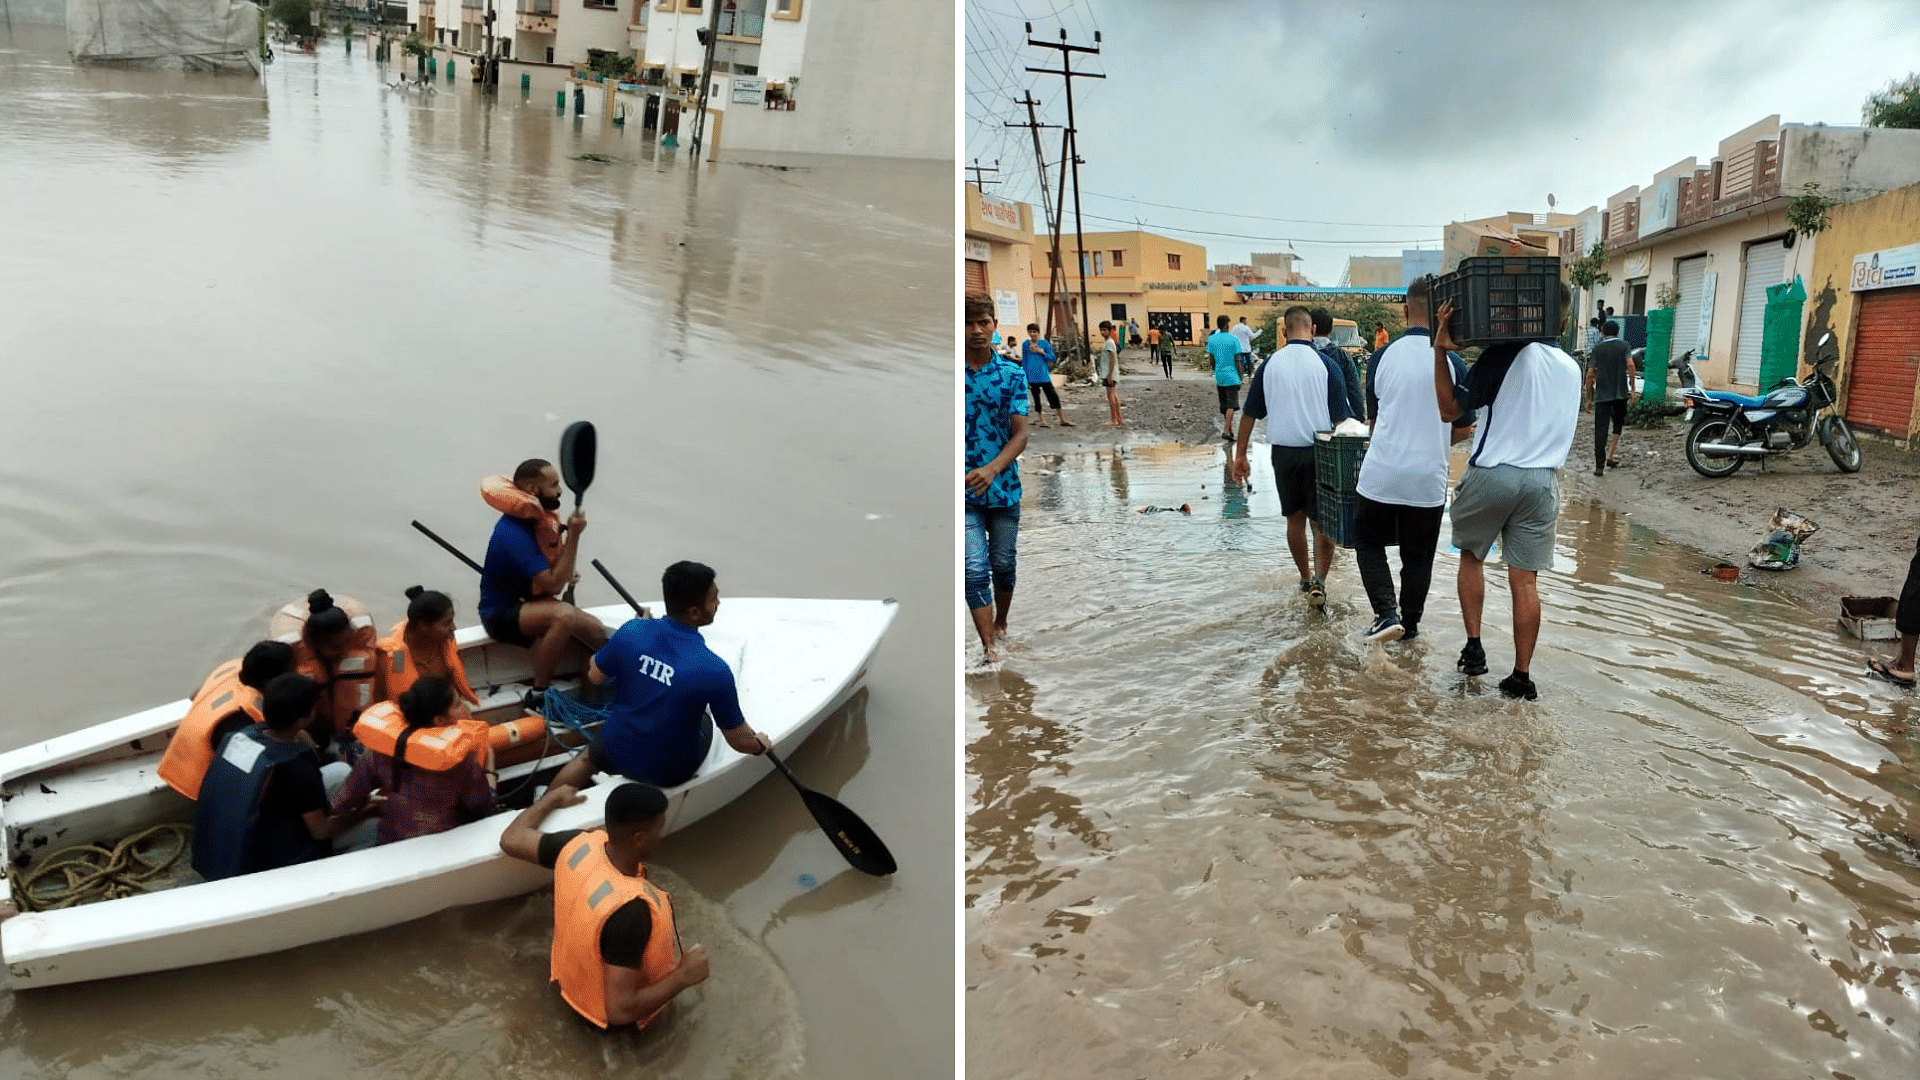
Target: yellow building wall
1884	221
1143	264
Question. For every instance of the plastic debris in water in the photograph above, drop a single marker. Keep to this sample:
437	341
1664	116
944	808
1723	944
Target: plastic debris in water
1183	508
808	881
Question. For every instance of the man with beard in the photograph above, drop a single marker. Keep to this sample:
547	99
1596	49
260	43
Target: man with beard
529	563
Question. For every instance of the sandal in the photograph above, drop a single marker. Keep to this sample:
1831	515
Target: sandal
1880	670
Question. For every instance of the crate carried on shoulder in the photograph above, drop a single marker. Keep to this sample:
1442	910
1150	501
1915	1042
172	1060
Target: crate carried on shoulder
1502	299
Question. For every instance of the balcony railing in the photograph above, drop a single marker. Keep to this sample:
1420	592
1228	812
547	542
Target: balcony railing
744	24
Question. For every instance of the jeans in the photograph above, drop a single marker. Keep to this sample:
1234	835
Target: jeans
991	534
1417	531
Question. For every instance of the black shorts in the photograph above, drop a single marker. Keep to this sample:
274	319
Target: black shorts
1229	397
1293	479
504	627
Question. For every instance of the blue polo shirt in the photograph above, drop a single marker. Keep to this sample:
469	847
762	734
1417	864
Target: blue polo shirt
665	680
1224	347
513	561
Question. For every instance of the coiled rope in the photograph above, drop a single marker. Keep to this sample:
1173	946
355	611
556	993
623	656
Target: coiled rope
88	873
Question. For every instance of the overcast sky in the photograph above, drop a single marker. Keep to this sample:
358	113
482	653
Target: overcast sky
1375	124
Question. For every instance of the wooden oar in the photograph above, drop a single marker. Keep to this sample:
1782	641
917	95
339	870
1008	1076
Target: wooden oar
579	447
858	844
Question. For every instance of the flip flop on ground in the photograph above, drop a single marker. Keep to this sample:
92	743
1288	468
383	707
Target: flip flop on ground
1879	669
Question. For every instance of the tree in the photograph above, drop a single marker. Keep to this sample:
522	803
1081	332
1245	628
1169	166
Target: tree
604	62
295	15
1898	106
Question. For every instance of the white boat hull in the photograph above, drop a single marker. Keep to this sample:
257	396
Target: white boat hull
795	661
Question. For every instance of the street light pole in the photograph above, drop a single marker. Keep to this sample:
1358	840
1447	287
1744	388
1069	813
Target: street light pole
706	75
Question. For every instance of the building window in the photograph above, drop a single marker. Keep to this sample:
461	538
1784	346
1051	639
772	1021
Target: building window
1119	312
1173	261
603	5
1053	261
1096	264
1117	260
786	9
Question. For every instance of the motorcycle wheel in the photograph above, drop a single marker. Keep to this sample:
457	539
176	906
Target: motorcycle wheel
1712	467
1842	447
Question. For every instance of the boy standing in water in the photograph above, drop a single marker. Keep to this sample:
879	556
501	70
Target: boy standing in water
996	434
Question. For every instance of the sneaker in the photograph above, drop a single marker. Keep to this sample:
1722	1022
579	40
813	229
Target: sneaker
1316	592
1408	632
1386	628
1519	686
1473	659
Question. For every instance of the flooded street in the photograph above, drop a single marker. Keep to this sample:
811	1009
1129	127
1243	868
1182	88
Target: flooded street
1210	834
249	328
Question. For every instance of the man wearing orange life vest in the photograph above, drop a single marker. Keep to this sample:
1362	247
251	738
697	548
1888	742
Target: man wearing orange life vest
615	953
529	562
228	701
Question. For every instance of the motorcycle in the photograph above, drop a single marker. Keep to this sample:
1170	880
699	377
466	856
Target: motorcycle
1725	429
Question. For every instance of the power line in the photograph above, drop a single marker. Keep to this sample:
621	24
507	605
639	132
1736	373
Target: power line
1143	225
1261	217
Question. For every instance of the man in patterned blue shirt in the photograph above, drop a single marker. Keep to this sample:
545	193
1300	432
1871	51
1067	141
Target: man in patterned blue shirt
996	433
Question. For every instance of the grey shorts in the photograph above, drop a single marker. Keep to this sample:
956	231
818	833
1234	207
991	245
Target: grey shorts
1514	505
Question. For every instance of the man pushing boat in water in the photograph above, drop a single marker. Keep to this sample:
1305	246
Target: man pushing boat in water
530	561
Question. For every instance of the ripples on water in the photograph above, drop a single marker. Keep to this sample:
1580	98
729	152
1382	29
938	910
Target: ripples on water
1212	835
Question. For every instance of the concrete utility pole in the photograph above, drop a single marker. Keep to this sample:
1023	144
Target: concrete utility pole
977	169
706	77
1073	159
1033	125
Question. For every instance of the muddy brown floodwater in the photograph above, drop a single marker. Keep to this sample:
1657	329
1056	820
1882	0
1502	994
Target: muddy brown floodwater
249	328
1211	835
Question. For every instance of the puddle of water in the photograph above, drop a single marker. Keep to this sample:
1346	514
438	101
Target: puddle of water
1208	831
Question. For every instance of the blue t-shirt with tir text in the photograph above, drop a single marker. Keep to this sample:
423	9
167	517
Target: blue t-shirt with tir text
665	680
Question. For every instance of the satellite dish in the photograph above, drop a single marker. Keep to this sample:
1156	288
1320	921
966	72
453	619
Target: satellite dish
1549	201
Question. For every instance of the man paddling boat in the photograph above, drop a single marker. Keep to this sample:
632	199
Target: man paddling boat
530	561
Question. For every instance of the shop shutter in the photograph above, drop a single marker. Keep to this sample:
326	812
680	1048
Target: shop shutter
1886	361
976	276
1691	276
1766	267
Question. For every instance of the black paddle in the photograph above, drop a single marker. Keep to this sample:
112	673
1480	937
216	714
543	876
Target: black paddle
579	446
858	844
457	553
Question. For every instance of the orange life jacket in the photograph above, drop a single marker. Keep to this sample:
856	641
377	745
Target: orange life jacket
190	751
399	670
384	730
587	889
350	687
500	494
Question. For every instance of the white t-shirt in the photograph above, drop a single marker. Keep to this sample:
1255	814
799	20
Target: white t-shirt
1406	462
1529	423
1105	368
1245	334
1294	385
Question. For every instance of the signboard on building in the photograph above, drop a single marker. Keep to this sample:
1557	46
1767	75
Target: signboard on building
1174	286
1002	212
1638	264
1886	269
748	90
978	251
1660	207
1006	307
1282	294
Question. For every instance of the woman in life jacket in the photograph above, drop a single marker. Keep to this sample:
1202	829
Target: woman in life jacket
228	701
432	768
336	650
423	644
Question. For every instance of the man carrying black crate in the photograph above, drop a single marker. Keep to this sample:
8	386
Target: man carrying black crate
1299	392
1528	396
1403	481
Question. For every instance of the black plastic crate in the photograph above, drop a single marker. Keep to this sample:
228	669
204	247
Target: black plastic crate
1498	299
1336	460
1333	513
